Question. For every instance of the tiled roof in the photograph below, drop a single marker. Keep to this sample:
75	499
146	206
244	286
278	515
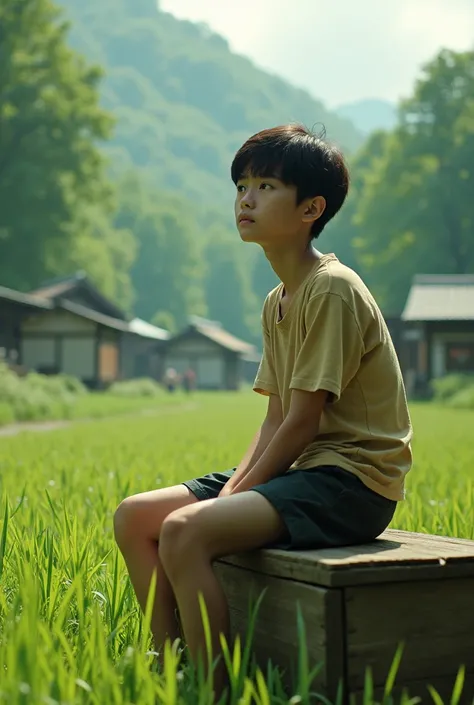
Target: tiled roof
26	299
67	287
95	316
58	287
440	298
136	326
147	330
214	331
51	298
52	292
225	339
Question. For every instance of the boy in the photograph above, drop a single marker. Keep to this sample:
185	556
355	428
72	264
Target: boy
327	466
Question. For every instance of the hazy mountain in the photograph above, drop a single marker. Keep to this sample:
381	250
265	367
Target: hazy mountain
183	101
370	115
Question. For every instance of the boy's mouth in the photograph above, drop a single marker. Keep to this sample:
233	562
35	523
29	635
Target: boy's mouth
245	219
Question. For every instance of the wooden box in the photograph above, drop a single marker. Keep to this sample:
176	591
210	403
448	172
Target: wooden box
359	603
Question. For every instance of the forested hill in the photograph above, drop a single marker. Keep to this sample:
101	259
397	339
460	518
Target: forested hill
156	232
182	100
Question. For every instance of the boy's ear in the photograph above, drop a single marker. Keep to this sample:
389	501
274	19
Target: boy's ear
314	209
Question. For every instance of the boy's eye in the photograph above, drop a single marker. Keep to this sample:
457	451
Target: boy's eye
263	186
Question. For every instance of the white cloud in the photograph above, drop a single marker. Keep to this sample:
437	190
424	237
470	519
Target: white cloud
340	50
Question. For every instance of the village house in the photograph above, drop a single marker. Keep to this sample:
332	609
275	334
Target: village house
438	329
219	359
14	307
69	326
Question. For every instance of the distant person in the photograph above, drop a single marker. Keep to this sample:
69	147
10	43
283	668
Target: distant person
171	379
328	464
189	380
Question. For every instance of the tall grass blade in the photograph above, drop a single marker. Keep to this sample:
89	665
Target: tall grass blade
437	699
3	538
458	686
392	674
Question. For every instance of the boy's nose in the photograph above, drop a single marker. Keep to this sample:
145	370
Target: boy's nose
248	199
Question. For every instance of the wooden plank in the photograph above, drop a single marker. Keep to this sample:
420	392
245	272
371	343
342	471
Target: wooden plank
304	569
336	668
399	574
276	635
414	537
396	555
434	619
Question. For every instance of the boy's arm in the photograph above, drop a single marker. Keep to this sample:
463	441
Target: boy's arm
297	431
263	437
327	361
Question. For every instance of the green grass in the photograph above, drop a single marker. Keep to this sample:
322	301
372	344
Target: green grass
98	405
39	398
70	631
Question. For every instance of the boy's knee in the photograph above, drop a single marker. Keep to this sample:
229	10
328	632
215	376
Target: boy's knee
126	520
176	542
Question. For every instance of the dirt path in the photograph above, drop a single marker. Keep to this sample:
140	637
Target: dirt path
15	428
43	426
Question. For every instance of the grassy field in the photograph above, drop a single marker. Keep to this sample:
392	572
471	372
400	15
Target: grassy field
69	627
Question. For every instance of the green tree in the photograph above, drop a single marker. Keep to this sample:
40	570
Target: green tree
167	272
343	234
228	289
106	253
416	212
264	278
50	122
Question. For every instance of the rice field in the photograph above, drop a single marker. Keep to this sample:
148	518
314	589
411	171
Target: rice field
70	630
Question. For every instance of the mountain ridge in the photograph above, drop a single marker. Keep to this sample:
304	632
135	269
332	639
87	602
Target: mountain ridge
370	114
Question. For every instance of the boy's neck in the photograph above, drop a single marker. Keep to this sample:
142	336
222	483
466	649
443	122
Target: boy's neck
291	266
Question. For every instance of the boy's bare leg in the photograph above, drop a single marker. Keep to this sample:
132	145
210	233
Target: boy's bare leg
191	538
137	524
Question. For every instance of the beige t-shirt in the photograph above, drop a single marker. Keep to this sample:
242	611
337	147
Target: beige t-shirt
333	337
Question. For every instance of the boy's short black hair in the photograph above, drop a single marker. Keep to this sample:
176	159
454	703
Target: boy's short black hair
299	158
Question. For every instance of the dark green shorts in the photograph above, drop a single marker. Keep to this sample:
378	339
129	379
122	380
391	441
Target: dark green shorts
321	508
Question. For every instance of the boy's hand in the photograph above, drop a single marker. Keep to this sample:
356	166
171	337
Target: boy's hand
226	491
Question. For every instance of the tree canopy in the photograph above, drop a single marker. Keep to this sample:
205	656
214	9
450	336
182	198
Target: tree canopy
415	213
53	186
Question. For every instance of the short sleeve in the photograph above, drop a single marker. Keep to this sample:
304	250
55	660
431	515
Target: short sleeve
266	380
332	349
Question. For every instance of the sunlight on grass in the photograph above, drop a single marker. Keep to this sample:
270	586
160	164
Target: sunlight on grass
70	631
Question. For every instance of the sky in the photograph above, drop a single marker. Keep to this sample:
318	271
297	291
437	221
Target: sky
339	50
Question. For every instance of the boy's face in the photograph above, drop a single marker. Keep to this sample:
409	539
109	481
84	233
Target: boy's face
266	212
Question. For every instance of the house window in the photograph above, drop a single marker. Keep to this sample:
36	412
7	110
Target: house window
460	357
